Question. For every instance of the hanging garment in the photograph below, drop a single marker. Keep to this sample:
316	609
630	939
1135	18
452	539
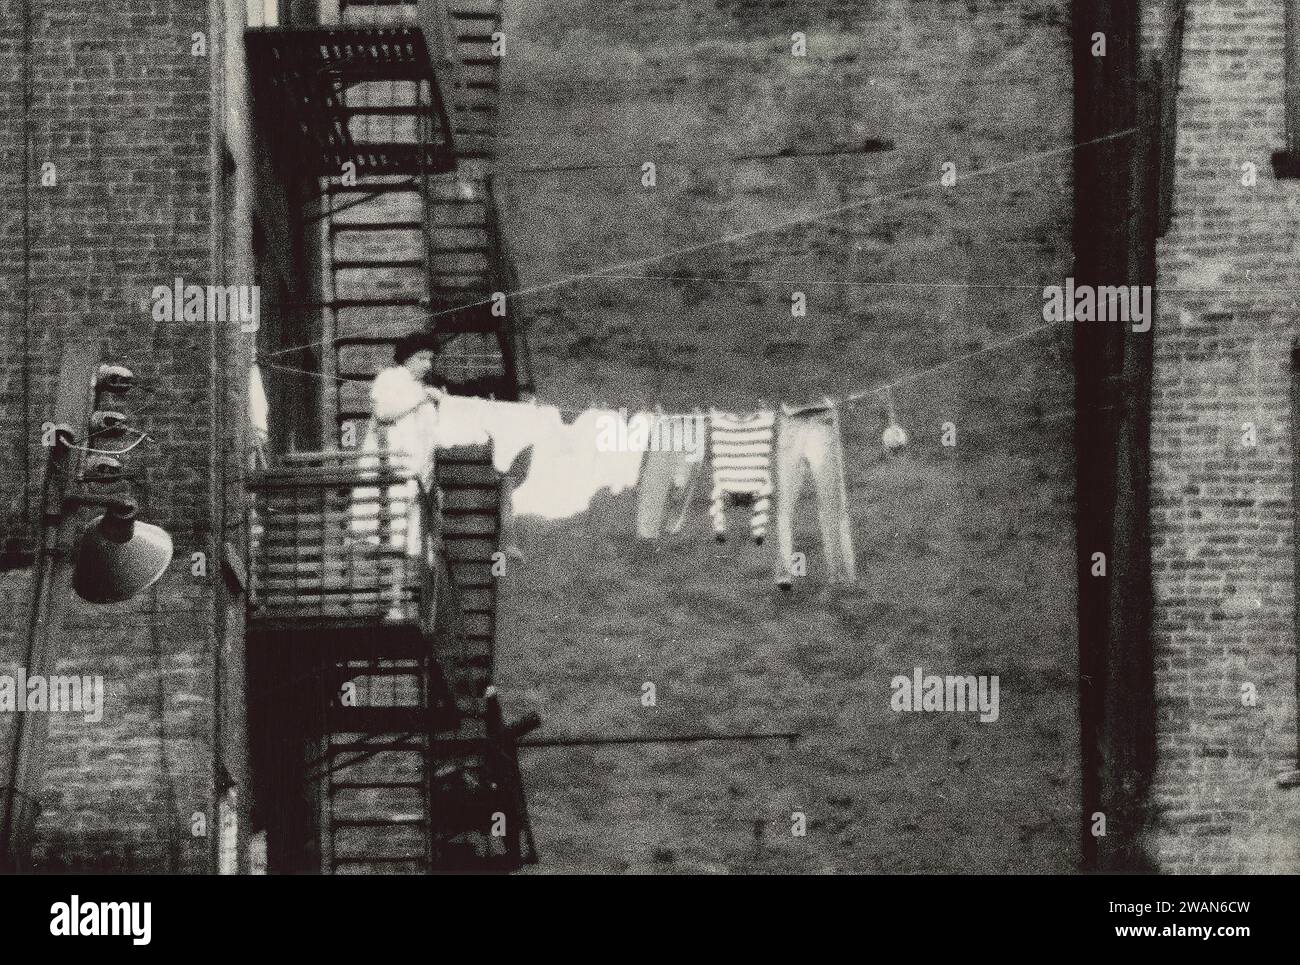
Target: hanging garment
571	463
259	409
513	476
533	493
683	490
742	459
808	442
665	490
472	421
259	419
404	426
668	474
463	422
512	429
695	435
620	445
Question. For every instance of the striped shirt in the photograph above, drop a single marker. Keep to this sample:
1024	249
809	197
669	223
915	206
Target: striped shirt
742	465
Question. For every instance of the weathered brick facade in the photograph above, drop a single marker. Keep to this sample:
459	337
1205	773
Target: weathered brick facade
1222	507
128	116
139	186
125	112
966	556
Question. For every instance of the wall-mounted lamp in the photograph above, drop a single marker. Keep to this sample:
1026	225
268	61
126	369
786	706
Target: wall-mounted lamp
118	557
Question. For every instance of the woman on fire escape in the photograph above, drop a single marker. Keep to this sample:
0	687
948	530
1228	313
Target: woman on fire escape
404	426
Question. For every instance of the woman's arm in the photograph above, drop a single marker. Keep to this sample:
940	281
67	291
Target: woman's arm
395	393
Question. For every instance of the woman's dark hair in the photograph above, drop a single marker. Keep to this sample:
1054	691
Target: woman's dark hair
408	345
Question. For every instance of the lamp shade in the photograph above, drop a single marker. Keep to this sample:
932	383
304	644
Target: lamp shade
118	557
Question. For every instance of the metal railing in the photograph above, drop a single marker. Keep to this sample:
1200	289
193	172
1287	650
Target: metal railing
342	536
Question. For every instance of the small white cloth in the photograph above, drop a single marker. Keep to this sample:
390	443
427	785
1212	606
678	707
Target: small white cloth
259	409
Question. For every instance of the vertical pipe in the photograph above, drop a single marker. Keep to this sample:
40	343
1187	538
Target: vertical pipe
27	172
1295	522
51	590
1103	107
1127	721
1292	78
1170	74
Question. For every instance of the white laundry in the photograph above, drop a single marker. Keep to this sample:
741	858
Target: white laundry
259	419
462	422
259	409
514	426
509	426
569	467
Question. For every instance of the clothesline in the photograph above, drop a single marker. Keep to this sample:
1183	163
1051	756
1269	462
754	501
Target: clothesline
604	272
1060	414
858	395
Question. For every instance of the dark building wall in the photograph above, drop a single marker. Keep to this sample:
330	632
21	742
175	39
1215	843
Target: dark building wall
125	111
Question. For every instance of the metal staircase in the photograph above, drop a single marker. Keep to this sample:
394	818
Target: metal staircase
407	212
471	514
413	767
476	81
400	257
424	250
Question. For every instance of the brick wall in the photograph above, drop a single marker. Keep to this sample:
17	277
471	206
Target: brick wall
1221	509
121	107
124	111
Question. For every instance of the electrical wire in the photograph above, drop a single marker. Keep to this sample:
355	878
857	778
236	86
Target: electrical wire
856	396
142	437
765	229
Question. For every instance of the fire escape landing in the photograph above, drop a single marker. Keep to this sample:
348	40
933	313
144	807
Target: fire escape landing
410	765
307	81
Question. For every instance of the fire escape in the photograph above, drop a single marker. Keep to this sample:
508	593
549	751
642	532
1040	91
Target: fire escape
371	702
